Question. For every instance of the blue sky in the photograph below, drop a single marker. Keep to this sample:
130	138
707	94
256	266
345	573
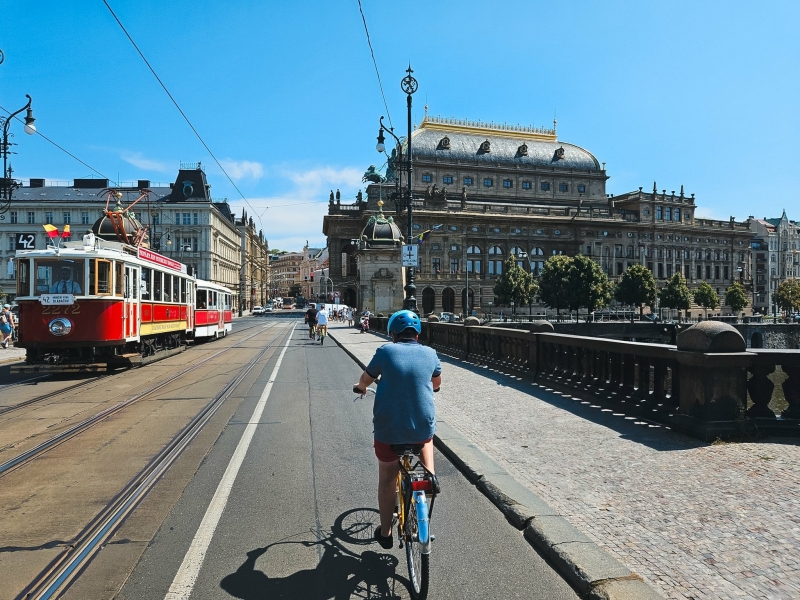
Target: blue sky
703	94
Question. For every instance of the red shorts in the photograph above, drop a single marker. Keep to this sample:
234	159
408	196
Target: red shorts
386	453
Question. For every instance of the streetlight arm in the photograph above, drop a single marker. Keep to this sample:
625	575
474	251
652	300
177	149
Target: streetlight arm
10	117
390	131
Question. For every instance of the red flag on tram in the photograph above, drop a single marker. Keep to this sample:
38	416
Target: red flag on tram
52	230
65	233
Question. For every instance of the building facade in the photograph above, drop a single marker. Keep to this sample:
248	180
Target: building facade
182	220
485	191
285	273
254	270
775	258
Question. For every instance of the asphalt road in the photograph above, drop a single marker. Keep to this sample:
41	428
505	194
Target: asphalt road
310	472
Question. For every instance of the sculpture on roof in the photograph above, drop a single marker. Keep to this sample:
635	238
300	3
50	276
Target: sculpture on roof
463	198
331	200
372	175
338	195
391	173
359	197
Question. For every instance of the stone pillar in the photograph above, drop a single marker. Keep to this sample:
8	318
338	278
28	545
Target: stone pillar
712	379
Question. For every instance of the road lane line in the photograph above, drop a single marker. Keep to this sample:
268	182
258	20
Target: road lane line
186	576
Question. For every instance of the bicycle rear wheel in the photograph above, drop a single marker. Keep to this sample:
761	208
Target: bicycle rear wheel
418	563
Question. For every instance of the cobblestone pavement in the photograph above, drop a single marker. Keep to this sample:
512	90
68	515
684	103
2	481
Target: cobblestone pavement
695	520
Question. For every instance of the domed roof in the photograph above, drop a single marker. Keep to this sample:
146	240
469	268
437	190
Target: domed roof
381	231
481	143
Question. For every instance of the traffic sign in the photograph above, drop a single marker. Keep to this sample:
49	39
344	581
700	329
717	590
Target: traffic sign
410	254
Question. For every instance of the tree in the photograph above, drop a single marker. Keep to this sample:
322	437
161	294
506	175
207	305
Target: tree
589	286
574	283
736	297
515	284
675	294
554	282
706	297
636	288
787	296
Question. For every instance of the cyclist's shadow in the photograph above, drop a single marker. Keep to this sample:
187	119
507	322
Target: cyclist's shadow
341	573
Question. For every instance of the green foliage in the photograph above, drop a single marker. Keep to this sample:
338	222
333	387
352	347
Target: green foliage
515	284
554	282
706	297
787	296
574	283
636	288
675	294
736	297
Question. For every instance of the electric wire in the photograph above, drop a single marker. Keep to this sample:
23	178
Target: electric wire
374	62
40	134
128	35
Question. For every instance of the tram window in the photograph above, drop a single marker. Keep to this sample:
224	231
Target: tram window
23	277
132	275
201	299
176	288
157	287
58	276
119	269
167	288
146	284
183	291
214	300
99	277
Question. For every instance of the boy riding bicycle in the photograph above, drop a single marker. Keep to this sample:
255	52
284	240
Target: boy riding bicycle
322	323
404	411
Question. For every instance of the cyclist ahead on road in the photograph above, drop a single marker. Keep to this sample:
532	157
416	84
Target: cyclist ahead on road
322	322
311	320
404	410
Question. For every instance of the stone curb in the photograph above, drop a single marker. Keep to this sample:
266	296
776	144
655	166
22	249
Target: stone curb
593	572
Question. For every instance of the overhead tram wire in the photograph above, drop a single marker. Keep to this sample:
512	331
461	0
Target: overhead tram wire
128	35
65	151
374	62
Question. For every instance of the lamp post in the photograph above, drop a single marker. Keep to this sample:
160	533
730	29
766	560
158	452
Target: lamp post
409	85
30	129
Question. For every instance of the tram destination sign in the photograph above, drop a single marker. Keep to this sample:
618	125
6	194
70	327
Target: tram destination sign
57	299
158	259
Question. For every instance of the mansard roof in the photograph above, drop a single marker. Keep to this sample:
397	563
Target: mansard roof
454	140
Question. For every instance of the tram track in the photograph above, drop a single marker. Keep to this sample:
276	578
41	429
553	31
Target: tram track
80	384
66	567
30	455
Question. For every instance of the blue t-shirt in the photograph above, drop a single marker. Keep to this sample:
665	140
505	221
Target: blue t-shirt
404	411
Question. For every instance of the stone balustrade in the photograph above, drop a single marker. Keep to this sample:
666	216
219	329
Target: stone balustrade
700	386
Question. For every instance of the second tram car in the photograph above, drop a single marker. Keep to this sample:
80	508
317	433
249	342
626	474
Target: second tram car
104	304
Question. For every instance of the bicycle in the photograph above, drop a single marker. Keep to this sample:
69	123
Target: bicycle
413	515
322	331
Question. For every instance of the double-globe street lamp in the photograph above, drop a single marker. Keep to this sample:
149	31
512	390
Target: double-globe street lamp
409	85
8	184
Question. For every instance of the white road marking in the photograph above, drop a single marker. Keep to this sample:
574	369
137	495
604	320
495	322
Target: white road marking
186	576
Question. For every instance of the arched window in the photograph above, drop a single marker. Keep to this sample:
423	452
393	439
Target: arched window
537	252
474	250
521	255
496	250
496	263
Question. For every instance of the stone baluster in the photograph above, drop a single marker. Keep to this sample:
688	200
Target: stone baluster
577	365
643	389
791	391
659	382
587	364
615	379
628	375
760	388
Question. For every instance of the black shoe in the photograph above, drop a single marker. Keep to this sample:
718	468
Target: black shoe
385	542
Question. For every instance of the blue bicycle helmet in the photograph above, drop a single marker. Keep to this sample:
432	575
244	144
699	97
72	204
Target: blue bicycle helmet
402	320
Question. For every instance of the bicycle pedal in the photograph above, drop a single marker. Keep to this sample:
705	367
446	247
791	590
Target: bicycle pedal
433	537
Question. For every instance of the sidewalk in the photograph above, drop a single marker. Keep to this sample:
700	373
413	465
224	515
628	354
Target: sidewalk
11	354
693	520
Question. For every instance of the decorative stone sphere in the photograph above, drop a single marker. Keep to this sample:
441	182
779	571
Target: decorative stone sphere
433	319
471	321
711	336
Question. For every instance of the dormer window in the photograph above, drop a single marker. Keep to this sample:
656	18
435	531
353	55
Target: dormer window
444	143
486	146
523	150
559	154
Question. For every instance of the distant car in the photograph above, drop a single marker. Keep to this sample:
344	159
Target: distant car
258	310
268	309
448	317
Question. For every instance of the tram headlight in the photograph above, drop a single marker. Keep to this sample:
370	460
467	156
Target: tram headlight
60	326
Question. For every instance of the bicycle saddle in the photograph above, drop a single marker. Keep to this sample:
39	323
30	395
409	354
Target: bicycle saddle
401	449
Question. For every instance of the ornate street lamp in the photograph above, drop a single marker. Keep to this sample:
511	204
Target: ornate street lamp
8	184
409	85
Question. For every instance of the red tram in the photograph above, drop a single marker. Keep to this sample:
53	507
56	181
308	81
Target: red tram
102	304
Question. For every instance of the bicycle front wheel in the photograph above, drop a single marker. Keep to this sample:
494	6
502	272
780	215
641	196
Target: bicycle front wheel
418	563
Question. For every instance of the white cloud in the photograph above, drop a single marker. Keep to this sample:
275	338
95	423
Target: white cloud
137	160
705	212
243	169
292	217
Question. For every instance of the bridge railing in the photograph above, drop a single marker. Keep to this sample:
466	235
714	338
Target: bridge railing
705	394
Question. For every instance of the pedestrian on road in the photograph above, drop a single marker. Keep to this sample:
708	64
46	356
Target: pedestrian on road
404	411
6	325
349	317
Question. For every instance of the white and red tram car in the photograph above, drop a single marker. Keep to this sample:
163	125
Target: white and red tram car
110	304
213	312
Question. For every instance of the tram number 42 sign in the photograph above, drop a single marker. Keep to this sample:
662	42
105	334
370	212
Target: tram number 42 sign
26	241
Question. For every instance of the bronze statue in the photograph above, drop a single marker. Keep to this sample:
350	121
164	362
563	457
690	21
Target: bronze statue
331	197
372	175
